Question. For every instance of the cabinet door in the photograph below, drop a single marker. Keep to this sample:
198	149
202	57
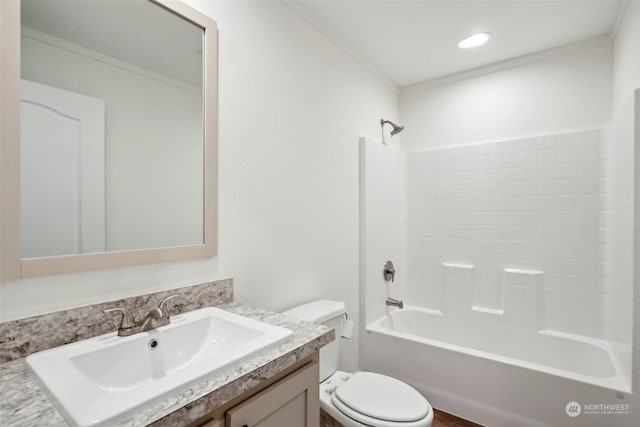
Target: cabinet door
293	401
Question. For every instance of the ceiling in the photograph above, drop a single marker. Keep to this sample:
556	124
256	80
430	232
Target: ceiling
135	31
414	41
406	41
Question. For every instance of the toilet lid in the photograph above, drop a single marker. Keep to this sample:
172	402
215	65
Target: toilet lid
382	397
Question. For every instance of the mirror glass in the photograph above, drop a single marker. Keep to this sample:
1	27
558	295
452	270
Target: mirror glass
112	131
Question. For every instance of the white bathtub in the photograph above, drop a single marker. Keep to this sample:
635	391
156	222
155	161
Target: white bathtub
496	375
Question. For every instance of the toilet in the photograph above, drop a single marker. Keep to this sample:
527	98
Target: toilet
360	399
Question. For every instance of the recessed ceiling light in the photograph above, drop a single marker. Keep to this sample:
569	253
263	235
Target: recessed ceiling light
474	40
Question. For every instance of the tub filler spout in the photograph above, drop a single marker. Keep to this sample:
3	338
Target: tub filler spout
394	302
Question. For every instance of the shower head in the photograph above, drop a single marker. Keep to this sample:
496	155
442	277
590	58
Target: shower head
396	129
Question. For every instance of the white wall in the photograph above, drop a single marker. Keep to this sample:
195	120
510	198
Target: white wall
292	108
558	94
626	123
617	234
626	54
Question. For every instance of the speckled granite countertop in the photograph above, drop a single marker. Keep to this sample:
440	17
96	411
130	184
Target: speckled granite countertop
23	403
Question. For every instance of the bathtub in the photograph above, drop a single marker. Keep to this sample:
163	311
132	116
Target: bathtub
496	375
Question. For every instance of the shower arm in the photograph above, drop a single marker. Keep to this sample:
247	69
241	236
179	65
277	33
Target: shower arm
396	129
382	132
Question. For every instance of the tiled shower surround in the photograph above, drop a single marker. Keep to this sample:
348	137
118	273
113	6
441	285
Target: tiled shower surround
528	232
530	205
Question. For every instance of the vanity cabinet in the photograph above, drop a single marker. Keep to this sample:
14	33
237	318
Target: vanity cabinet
292	401
289	399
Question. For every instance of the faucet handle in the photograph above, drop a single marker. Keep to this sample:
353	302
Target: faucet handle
128	321
163	304
389	272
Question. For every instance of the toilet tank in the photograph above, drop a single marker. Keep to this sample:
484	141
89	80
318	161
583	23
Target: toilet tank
329	313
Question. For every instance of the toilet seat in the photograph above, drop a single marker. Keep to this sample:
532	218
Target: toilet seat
375	400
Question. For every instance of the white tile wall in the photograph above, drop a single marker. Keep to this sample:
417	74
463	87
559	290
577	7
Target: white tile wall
525	295
528	204
533	233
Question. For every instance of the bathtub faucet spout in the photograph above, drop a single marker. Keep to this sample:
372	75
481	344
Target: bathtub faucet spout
394	302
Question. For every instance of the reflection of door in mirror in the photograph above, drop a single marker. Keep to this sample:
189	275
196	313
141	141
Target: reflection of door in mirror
152	67
62	172
146	65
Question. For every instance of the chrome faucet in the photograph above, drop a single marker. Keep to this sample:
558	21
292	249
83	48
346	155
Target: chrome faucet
155	318
394	302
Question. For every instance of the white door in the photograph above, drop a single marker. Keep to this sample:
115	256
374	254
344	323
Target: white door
62	172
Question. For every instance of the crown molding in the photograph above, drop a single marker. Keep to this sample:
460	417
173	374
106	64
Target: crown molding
509	63
303	12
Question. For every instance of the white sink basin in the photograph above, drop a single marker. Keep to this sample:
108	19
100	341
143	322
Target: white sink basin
104	379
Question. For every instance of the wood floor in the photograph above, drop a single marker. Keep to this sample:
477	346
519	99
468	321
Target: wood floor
442	419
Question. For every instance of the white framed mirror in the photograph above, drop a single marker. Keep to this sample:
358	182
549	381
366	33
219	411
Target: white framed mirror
109	135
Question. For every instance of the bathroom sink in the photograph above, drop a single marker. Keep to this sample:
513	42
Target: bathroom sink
104	379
